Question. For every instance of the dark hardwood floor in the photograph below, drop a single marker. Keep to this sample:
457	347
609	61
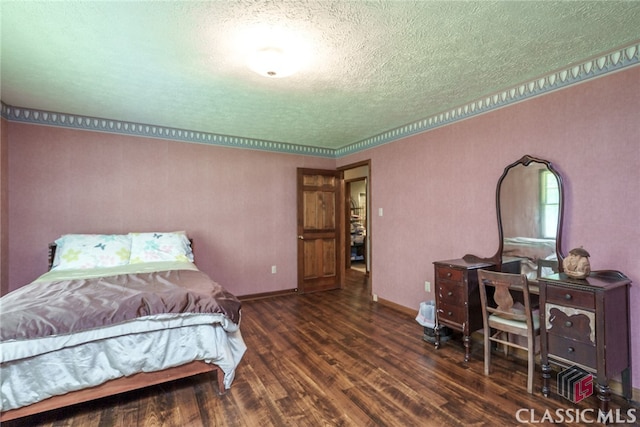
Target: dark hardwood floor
337	359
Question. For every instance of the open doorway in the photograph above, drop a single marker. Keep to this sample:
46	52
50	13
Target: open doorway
357	224
357	213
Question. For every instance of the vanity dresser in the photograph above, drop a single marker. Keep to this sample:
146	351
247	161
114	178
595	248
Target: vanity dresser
586	324
527	231
583	322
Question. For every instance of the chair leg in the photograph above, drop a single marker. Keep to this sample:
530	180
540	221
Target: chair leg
506	336
531	354
487	350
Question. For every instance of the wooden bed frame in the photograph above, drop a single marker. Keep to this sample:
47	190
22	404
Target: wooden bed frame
115	386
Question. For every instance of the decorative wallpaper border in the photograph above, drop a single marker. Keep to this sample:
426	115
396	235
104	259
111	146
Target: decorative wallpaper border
76	121
613	61
606	63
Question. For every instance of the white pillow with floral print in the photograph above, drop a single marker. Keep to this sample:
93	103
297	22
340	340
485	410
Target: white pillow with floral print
83	251
158	247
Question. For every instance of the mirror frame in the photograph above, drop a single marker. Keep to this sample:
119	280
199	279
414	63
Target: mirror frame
526	160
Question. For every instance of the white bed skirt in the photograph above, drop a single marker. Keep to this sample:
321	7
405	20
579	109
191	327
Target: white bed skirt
32	379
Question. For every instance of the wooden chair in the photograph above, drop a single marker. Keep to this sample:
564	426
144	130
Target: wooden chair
502	316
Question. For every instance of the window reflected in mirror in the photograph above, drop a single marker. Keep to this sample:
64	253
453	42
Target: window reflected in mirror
549	204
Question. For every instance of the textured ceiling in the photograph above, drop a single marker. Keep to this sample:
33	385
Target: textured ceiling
372	65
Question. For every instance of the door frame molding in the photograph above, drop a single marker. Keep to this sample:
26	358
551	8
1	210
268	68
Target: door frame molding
369	238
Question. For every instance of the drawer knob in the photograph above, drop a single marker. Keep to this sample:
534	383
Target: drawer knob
571	349
449	293
568	323
449	274
567	297
449	313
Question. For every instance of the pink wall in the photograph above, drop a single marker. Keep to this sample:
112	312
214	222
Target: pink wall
238	205
437	189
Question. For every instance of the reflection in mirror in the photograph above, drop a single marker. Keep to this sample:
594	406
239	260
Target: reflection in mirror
529	206
529	203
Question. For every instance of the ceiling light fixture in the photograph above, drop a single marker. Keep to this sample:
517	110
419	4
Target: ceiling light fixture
273	62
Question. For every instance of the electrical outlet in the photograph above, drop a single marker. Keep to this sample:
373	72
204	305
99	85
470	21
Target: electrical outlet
274	269
427	286
375	297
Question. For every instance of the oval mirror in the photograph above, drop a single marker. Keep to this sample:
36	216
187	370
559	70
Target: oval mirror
529	204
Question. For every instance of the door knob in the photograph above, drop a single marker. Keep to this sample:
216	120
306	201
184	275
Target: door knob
301	237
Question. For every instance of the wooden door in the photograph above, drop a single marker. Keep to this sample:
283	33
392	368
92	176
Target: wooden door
319	224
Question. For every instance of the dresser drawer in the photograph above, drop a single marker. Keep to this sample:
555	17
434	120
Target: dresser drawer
571	297
451	313
571	350
450	292
447	273
572	323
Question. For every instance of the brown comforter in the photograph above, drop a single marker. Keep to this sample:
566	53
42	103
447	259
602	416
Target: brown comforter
53	308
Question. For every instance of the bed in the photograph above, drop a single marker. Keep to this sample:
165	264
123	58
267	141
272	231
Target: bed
114	313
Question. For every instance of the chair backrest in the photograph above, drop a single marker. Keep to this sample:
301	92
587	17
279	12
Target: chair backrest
505	295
